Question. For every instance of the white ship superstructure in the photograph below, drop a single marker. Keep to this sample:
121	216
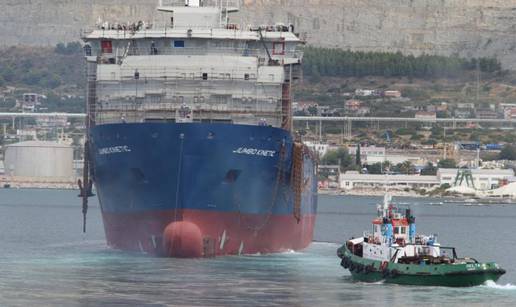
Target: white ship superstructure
197	66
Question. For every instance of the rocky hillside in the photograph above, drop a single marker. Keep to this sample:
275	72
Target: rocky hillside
470	28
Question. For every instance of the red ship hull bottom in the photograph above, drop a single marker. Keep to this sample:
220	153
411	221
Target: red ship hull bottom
196	233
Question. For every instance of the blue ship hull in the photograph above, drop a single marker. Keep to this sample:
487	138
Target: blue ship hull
214	188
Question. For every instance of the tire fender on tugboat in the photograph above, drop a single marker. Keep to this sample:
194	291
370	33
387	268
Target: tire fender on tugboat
394	273
352	266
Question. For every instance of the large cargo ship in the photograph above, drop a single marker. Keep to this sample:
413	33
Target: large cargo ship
190	143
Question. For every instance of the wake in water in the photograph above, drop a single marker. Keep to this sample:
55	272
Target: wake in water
492	285
325	243
362	283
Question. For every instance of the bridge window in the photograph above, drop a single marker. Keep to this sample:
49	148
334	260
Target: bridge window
278	48
87	50
106	46
205	76
179	44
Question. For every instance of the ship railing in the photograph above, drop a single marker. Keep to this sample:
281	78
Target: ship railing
171	106
178	73
120	30
117	30
205	107
203	3
146	77
245	52
123	29
134	116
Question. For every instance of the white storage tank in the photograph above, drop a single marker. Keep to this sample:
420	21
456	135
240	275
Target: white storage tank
39	159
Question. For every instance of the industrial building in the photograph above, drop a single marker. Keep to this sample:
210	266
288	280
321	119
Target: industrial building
476	179
38	160
369	154
318	147
354	180
481	179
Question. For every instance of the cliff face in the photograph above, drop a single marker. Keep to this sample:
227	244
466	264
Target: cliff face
465	27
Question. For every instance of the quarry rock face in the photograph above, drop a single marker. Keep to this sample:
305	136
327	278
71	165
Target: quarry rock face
466	27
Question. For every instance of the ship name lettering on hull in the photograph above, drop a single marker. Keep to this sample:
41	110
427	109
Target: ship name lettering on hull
254	152
114	150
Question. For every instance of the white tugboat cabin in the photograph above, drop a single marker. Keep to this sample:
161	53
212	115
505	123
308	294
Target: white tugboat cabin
393	238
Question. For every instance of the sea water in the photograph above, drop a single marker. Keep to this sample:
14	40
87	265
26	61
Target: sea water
45	260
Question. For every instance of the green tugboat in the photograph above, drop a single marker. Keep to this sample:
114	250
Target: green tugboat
393	252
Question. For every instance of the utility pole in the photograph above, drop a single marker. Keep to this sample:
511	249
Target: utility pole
478	79
320	131
444	143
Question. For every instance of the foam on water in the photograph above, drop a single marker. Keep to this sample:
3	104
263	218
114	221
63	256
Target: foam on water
380	282
323	243
491	284
291	252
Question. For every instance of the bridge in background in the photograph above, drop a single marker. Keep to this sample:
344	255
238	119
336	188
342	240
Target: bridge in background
348	121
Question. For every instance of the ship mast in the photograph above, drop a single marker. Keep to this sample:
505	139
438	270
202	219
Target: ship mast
387	199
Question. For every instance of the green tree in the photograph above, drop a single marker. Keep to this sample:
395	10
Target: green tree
347	63
358	158
7	73
404	131
375	168
340	156
406	168
387	166
447	163
508	152
429	142
67	49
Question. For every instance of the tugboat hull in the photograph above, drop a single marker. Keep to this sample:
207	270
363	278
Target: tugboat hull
446	275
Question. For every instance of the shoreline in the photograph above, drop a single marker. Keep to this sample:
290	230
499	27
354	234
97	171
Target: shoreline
374	192
14	184
396	193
